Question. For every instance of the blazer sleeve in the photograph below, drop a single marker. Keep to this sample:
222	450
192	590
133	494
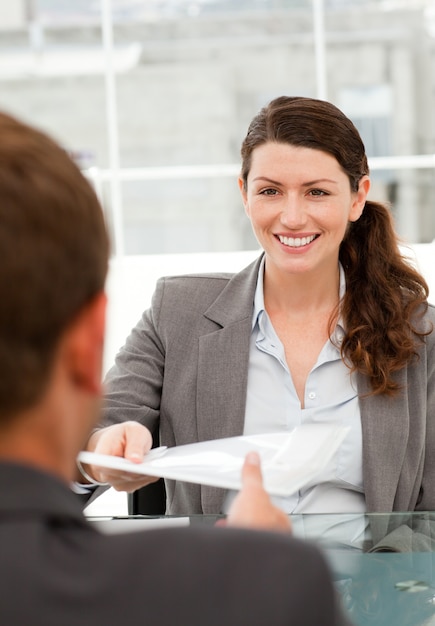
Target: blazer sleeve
416	533
133	385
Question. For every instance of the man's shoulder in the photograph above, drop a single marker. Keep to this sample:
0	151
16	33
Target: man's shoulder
268	554
206	575
269	574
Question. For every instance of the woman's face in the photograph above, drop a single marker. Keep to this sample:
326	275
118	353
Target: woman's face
300	202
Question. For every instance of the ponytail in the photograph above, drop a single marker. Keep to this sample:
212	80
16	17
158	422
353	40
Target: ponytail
385	298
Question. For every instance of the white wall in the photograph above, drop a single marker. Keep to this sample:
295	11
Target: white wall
12	14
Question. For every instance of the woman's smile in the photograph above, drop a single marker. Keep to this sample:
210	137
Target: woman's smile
297	242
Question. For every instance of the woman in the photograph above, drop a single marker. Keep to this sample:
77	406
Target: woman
330	324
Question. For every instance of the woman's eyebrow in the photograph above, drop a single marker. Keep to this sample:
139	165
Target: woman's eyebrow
319	180
268	180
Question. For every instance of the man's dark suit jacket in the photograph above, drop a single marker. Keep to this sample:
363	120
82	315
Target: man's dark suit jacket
58	570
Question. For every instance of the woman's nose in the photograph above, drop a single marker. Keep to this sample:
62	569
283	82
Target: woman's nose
292	214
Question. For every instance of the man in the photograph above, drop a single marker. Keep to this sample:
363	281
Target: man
57	569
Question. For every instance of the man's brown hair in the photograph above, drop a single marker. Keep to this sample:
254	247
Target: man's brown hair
53	257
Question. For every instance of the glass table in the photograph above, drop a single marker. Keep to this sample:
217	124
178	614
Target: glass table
383	566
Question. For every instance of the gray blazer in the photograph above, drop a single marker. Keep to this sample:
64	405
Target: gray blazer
185	367
58	570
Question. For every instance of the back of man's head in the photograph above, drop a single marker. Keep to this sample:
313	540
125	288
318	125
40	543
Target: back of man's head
53	257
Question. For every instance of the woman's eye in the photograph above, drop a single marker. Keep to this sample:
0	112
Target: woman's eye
318	192
268	192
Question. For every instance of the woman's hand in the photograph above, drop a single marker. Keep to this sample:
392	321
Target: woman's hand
129	440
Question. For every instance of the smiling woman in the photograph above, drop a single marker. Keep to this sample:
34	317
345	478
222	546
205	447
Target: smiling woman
330	324
300	202
300	218
318	156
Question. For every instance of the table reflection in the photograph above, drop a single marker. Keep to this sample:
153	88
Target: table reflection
383	565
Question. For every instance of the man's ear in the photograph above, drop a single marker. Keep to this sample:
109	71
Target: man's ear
85	344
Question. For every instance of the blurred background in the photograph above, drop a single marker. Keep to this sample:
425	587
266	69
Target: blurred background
153	99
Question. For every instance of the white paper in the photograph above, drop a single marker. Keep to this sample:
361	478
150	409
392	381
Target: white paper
289	460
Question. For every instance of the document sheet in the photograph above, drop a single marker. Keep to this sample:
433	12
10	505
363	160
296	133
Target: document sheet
289	461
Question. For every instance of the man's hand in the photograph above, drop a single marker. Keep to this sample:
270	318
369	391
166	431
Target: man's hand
252	507
129	440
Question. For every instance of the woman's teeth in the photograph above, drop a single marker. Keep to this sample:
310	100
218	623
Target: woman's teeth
296	242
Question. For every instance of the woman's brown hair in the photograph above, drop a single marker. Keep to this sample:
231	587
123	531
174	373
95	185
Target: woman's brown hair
385	295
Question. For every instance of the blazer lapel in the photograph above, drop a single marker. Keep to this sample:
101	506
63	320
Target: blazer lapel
223	359
223	367
222	381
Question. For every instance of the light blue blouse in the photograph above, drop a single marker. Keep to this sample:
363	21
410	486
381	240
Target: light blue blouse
330	396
